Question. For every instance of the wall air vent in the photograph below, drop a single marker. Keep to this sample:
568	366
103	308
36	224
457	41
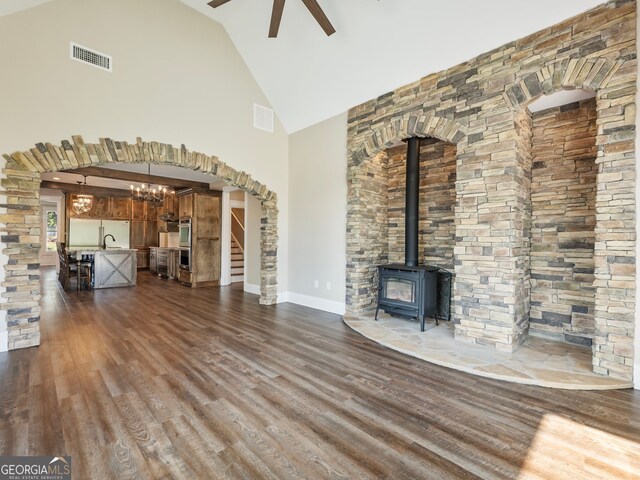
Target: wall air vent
262	118
91	57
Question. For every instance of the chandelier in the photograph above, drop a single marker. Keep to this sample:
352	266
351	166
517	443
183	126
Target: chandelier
147	192
82	202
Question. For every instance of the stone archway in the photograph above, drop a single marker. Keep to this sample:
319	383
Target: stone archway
367	244
614	84
20	230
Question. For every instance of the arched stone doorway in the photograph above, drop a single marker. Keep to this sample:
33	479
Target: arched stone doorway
21	216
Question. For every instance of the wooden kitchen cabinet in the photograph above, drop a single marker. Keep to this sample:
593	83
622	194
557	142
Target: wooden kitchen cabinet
169	204
137	210
137	234
151	234
99	210
151	212
205	244
142	256
185	207
204	209
120	208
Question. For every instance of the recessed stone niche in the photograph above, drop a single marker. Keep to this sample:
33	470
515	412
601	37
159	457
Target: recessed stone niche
563	218
543	241
437	228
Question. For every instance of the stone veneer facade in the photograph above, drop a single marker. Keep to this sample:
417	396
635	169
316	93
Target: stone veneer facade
563	208
437	228
20	217
481	108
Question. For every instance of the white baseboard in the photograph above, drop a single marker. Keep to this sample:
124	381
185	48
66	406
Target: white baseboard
251	288
323	304
4	341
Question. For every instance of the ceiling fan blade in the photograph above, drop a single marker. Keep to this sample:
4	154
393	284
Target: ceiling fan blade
320	17
217	3
276	16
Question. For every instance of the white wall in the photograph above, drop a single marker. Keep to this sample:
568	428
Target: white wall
317	214
252	215
177	78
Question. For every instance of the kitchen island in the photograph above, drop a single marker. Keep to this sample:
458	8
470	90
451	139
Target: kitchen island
112	267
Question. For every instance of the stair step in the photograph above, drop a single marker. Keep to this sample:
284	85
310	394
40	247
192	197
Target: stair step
237	278
237	263
237	256
235	250
237	271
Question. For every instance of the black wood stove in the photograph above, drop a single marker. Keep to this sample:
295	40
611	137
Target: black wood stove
409	290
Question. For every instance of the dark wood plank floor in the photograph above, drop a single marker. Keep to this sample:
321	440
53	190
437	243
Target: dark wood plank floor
161	381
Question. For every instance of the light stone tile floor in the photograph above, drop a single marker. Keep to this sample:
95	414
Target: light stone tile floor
538	361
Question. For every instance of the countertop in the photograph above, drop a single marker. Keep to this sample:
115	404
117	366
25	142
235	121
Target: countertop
93	250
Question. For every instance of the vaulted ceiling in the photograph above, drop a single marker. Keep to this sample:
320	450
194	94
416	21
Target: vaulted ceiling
378	46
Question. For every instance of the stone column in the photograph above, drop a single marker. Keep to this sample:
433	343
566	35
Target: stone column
614	252
367	230
493	216
21	236
269	252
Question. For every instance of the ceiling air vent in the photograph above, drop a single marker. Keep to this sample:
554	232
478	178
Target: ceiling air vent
91	57
262	118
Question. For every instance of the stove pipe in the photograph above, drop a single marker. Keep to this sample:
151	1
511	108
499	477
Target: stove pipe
411	205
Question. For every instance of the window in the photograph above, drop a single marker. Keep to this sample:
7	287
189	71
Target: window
51	218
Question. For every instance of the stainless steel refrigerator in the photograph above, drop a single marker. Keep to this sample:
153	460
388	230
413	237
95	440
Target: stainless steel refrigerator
84	232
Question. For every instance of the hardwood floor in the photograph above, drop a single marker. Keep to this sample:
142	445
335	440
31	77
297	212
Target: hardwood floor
161	381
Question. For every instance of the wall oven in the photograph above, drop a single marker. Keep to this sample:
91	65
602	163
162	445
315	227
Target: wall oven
184	229
185	259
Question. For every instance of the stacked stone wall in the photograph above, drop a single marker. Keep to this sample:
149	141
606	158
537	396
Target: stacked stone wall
563	196
437	228
367	232
480	107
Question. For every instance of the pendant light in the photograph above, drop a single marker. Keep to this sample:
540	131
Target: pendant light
82	202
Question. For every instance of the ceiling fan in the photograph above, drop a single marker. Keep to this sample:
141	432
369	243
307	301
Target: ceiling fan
276	15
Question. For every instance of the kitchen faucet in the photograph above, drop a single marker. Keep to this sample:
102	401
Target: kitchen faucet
104	240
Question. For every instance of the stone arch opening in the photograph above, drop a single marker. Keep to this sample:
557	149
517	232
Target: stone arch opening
368	199
614	243
21	220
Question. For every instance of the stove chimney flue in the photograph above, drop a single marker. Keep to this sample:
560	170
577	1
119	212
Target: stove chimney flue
412	200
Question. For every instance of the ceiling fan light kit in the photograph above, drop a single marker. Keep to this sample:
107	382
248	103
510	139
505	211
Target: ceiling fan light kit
276	15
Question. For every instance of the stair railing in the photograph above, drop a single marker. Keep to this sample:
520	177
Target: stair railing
237	231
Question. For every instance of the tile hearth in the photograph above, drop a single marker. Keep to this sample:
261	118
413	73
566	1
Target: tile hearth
538	361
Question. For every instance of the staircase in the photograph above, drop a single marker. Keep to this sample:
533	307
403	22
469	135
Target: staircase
237	263
237	245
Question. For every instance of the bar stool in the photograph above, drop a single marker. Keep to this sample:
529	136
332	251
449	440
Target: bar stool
84	275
